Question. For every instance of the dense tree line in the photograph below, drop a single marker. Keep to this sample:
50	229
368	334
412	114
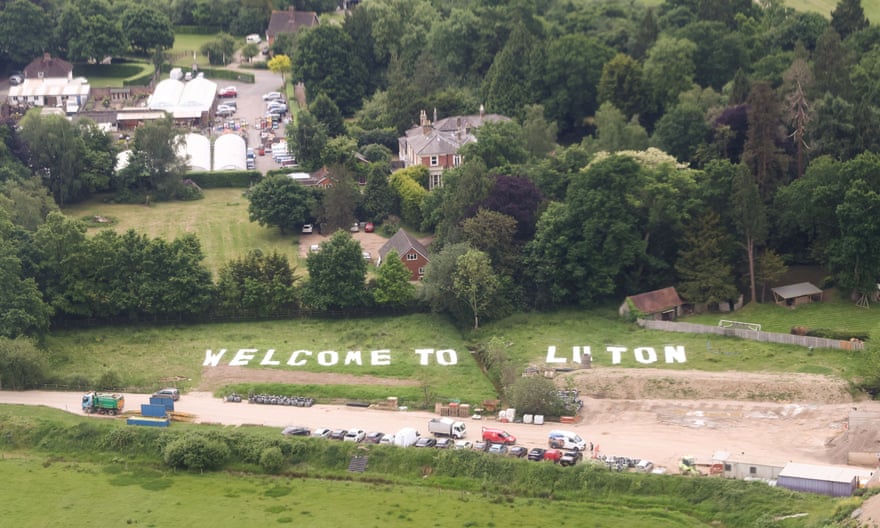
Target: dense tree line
699	143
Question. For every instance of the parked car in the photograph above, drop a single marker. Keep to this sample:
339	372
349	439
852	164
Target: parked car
536	454
517	451
224	110
16	78
233	103
273	96
480	445
253	38
308	229
355	435
296	430
425	441
464	444
498	436
337	434
369	227
552	455
367	256
174	394
373	437
355	227
322	432
443	443
570	458
498	449
314	248
228	91
645	466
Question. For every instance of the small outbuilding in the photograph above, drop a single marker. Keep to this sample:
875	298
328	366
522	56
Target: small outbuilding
659	305
834	481
796	294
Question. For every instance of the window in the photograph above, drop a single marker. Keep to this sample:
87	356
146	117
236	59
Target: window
753	470
436	181
421	270
435	161
456	160
412	256
727	467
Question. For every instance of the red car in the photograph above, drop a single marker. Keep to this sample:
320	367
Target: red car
369	227
229	91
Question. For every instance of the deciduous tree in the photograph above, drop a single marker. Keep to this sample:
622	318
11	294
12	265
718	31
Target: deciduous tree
336	274
280	201
392	286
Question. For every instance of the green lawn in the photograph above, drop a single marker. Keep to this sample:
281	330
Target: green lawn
113	75
184	47
220	221
871	7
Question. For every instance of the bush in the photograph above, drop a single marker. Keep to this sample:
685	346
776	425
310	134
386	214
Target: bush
109	380
196	452
216	180
272	460
21	364
842	335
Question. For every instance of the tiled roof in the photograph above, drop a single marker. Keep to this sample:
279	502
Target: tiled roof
402	242
656	301
49	67
290	20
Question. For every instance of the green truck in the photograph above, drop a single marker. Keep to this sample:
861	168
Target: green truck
101	403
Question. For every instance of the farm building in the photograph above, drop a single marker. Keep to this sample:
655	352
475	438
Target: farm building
796	294
661	305
750	469
189	102
230	153
196	150
834	481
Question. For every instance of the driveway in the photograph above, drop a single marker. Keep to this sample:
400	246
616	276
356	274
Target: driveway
371	242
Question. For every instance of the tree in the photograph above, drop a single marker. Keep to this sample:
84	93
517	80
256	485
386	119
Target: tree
720	52
409	192
25	29
492	233
762	153
279	64
750	218
221	50
646	34
438	286
614	133
499	144
538	136
392	286
508	85
848	17
681	131
280	201
328	114
571	72
22	310
770	268
306	140
257	283
855	255
336	274
323	62
831	64
621	85
339	201
154	171
668	71
147	28
518	198
249	51
61	254
379	199
22	364
535	395
702	264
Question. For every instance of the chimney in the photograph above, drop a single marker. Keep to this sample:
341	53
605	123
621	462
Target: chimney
426	125
47	57
435	114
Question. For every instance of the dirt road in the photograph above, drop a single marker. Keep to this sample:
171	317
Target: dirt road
659	430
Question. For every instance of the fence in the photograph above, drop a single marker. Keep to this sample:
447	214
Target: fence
744	333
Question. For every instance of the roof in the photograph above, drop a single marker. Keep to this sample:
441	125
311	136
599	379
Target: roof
656	301
196	150
402	242
230	153
47	67
447	135
290	20
184	99
51	87
801	289
823	473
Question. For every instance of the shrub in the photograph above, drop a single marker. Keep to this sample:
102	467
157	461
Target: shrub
109	380
272	460
21	364
195	452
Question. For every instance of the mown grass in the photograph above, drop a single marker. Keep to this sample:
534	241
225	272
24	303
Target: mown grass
220	221
825	7
113	75
142	356
84	463
185	45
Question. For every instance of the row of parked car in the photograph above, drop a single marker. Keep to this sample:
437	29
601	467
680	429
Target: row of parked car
558	456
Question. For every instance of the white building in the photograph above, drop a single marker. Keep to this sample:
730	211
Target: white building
230	153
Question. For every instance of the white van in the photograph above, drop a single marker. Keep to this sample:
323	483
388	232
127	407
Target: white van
253	38
406	437
558	439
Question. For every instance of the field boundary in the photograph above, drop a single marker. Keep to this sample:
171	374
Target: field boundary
753	335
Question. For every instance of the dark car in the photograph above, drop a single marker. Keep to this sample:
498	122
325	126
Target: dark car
517	451
337	434
425	441
570	458
373	437
296	430
536	454
444	443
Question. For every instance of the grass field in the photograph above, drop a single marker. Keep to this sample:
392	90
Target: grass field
185	45
220	221
113	75
871	7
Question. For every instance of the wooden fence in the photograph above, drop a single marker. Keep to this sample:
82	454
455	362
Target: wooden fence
754	335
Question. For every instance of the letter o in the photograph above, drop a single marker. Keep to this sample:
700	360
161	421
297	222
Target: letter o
328	358
447	357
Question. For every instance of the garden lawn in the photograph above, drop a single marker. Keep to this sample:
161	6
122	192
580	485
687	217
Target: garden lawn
112	75
184	46
220	221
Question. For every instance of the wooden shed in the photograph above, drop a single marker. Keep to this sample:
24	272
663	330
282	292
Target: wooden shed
660	305
796	294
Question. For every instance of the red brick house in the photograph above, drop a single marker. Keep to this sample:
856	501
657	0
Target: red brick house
289	21
411	252
435	144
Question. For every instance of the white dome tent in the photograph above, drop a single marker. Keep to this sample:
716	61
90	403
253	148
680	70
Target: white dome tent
166	95
196	150
184	100
230	153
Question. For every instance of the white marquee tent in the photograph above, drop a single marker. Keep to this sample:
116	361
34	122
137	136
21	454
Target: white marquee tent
230	152
185	100
196	150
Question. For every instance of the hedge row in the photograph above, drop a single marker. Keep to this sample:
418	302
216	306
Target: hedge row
197	30
225	179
